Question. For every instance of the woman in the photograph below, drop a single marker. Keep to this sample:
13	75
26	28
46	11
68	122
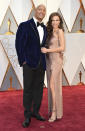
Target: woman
54	60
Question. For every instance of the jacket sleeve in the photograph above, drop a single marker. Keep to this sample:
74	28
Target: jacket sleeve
20	43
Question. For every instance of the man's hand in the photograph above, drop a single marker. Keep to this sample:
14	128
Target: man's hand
24	62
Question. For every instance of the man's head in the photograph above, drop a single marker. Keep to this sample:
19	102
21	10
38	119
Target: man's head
40	12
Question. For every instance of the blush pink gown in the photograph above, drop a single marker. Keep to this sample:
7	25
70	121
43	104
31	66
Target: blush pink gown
54	63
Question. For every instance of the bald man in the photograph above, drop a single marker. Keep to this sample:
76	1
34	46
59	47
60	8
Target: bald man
30	37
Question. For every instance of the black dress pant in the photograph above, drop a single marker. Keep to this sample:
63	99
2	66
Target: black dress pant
33	80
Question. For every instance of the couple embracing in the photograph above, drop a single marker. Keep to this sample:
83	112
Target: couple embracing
41	48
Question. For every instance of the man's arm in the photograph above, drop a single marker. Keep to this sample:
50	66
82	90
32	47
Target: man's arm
20	43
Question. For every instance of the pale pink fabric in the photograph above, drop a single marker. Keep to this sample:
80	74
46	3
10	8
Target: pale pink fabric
54	63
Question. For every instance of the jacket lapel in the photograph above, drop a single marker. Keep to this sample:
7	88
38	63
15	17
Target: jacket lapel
33	25
44	37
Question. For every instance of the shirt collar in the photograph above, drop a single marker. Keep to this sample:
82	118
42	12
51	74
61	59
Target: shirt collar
35	20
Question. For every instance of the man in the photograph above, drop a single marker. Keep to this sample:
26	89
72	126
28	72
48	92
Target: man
30	37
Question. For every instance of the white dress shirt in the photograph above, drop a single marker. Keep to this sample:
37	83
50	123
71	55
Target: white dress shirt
40	30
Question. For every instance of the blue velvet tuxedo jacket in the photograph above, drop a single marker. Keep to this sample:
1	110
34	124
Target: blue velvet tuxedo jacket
28	46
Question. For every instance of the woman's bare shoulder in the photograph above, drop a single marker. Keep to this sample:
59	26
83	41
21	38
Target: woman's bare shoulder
61	32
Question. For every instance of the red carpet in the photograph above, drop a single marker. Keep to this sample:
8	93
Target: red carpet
11	112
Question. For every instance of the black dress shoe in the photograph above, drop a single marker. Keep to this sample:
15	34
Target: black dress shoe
38	117
26	122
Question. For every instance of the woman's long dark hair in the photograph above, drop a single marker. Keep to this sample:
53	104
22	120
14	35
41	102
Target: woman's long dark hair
50	28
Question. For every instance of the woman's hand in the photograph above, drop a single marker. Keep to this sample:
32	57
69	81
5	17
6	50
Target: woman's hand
44	50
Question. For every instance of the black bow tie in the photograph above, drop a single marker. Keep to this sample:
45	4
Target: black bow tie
40	24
